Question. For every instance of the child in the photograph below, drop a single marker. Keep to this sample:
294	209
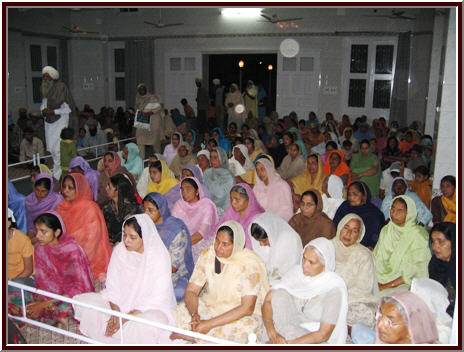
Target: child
347	150
67	148
422	185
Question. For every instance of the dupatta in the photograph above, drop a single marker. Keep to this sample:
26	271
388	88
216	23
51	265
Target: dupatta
179	163
166	183
91	174
342	168
16	202
134	163
305	181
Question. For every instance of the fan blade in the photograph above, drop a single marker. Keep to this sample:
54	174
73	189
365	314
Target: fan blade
406	17
290	19
172	24
397	13
269	18
153	24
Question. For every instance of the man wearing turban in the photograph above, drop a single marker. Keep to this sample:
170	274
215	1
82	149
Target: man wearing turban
57	109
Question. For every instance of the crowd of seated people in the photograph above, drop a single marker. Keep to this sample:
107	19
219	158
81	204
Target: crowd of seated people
302	231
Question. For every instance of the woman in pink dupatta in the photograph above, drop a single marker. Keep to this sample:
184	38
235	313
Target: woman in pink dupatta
243	208
61	267
198	213
271	191
138	283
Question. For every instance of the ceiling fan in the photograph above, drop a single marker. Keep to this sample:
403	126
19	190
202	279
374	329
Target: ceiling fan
160	23
275	19
396	15
78	30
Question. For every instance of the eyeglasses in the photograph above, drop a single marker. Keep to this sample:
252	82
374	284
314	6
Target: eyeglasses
379	317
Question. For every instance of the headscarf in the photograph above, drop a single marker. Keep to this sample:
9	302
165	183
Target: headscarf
91	174
141	280
402	250
284	245
353	140
62	269
450	207
169	229
275	197
173	195
308	287
85	223
259	146
179	163
420	320
304	181
299	141
342	168
423	213
234	165
44	169
193	142
200	216
116	164
16	202
167	180
253	210
366	135
134	163
436	298
335	189
372	217
35	207
169	151
223	142
318	225
219	182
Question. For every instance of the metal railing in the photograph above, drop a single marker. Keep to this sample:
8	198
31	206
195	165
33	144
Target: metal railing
120	315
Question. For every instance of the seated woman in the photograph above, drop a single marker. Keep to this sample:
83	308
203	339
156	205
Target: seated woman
271	191
312	177
444	207
400	187
41	200
176	238
329	147
359	203
144	179
442	266
170	150
253	149
222	141
139	283
111	166
80	165
183	158
404	318
240	162
20	255
402	252
161	178
122	204
278	245
61	267
198	213
237	283
355	264
203	162
193	141
85	223
332	194
391	153
312	222
365	167
243	208
219	180
336	166
293	164
190	170
310	304
131	160
16	202
276	150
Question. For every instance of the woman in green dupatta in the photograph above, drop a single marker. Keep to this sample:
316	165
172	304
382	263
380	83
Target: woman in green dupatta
402	252
299	141
365	167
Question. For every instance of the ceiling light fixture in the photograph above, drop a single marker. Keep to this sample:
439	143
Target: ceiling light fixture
241	12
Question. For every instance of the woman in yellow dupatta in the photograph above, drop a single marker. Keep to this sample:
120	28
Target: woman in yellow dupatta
312	177
161	178
444	207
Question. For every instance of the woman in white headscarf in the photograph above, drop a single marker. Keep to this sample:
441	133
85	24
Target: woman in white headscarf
170	151
332	194
436	297
355	264
277	243
240	162
138	283
310	304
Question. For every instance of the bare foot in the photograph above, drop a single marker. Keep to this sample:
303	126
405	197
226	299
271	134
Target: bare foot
176	335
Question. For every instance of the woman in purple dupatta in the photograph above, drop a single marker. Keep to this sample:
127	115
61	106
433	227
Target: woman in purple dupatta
61	267
42	199
176	237
80	165
189	170
243	208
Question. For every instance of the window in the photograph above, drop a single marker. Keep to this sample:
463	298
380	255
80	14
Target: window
119	60
307	64
189	63
36	95
128	10
119	88
36	58
357	93
175	64
358	59
384	59
289	64
116	73
382	90
51	56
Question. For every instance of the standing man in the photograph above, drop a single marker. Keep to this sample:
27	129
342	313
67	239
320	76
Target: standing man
202	106
58	111
219	102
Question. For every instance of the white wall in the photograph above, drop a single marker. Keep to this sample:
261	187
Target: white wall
16	73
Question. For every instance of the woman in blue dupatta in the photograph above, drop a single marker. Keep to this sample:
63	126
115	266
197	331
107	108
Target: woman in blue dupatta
131	160
17	203
223	142
176	237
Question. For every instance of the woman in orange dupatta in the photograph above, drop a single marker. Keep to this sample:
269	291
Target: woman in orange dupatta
443	207
336	166
84	222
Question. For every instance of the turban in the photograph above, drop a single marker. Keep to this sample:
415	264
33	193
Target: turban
53	73
204	152
216	81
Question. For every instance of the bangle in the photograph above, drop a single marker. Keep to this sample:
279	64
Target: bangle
193	314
